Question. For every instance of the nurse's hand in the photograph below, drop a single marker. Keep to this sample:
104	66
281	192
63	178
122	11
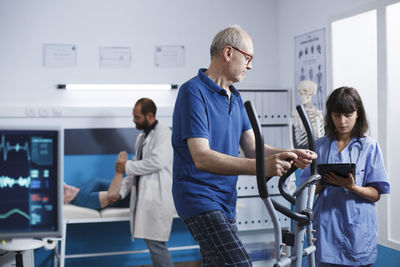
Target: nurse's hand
368	192
346	182
319	187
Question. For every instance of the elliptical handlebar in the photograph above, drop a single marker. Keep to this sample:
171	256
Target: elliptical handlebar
311	145
301	199
310	134
260	163
282	182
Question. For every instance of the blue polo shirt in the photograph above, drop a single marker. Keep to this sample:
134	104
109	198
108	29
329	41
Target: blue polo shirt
203	109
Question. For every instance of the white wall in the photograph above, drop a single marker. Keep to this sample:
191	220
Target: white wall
26	25
393	109
299	17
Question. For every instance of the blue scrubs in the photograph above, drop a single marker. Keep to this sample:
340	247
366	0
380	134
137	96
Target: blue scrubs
345	223
203	110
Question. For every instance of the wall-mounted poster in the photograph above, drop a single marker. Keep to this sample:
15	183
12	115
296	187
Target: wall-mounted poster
169	56
59	55
310	84
115	57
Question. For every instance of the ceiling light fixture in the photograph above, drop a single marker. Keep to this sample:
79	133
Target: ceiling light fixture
115	87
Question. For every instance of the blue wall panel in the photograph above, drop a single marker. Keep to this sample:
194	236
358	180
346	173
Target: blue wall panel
81	168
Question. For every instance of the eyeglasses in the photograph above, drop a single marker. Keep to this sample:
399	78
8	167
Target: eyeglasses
247	56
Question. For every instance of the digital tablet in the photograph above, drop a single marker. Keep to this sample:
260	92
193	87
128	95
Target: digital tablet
341	169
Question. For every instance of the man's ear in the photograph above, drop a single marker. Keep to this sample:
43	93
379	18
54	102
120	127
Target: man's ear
227	53
149	116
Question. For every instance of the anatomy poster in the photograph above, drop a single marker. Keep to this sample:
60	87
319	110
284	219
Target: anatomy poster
310	85
310	65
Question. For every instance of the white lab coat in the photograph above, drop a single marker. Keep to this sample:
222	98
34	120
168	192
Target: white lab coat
151	217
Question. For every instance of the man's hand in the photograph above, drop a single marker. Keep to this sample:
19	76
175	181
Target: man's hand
304	157
121	162
278	164
113	197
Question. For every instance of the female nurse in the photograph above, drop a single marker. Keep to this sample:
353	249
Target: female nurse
344	213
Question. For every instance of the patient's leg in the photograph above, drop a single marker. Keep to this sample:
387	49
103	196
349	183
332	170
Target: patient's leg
115	186
89	194
103	199
113	191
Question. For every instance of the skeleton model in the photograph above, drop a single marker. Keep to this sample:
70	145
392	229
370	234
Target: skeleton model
306	90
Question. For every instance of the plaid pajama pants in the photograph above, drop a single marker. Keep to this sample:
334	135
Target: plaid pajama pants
218	240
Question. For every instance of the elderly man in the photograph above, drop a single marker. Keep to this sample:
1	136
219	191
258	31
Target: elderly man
209	124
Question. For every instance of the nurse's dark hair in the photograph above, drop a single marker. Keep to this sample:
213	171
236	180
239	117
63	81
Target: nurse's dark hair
147	106
345	100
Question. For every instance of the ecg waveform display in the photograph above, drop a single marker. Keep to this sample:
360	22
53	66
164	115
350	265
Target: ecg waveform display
6	147
14	211
28	181
6	181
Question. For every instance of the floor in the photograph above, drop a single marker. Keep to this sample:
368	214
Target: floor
181	264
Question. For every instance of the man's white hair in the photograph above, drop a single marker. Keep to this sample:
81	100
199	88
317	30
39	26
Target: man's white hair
231	35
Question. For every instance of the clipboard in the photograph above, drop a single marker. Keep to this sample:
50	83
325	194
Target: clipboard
341	169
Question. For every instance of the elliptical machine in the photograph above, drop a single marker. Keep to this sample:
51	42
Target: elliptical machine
302	199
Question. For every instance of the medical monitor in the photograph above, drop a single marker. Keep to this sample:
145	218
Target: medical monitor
31	172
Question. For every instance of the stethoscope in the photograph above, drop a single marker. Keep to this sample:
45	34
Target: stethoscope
355	143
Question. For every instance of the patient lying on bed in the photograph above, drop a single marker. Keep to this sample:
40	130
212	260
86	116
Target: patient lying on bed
94	193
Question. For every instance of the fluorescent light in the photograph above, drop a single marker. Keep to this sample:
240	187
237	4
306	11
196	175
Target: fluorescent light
115	87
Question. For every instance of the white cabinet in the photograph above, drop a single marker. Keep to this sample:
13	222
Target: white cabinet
273	109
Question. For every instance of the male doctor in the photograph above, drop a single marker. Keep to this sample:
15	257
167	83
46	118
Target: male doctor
149	179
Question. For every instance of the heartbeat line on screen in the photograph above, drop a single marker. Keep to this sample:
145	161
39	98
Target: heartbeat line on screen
11	212
6	181
6	146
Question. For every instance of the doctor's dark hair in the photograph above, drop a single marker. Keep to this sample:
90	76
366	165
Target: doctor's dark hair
147	106
345	100
229	36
